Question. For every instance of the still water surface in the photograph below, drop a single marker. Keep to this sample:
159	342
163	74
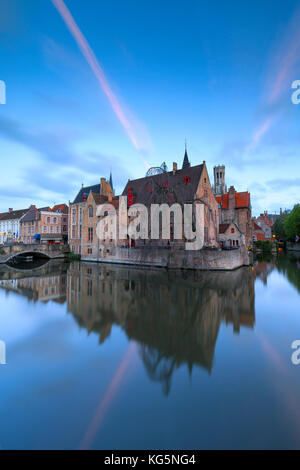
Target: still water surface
121	358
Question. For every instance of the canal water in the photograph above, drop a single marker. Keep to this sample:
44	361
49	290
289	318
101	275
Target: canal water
105	357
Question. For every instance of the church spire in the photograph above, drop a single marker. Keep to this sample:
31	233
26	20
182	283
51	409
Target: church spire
111	181
186	162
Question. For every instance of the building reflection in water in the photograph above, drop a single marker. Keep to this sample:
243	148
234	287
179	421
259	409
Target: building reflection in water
174	317
43	283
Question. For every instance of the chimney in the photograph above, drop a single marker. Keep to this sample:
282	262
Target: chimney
174	168
103	187
10	210
231	198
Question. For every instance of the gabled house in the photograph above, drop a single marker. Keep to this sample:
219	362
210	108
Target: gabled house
265	222
45	225
10	225
236	207
91	246
77	208
230	236
257	232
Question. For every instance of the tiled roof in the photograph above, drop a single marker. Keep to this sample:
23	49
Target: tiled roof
241	200
223	228
104	199
99	199
13	215
165	187
63	208
32	215
257	227
84	193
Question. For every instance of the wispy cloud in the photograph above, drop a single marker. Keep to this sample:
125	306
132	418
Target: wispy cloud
127	123
58	171
281	77
280	183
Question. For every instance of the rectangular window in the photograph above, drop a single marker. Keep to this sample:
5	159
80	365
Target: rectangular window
90	234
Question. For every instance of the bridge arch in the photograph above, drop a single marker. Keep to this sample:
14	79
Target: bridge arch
8	253
36	253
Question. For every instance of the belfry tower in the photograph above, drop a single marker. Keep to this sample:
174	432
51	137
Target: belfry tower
220	187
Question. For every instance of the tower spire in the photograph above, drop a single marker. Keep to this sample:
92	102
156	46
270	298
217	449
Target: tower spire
111	181
186	162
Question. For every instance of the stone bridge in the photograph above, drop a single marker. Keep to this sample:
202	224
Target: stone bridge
7	253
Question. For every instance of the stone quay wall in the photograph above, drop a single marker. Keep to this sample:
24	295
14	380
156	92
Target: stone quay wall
205	259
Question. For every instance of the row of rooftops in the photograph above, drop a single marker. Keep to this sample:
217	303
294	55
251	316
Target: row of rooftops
23	213
176	186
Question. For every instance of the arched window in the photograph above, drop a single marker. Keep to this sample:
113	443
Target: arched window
91	212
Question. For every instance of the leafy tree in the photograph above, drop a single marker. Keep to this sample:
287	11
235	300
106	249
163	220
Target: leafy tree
278	227
266	246
292	224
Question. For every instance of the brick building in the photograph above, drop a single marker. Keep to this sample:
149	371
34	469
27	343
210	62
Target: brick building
265	222
91	245
45	225
77	209
236	207
257	232
190	185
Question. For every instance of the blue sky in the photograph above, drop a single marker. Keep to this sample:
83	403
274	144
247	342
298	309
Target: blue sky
216	74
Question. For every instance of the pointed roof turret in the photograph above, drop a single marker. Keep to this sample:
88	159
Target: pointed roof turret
186	162
111	181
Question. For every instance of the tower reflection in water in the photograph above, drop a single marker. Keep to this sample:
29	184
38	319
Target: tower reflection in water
174	317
